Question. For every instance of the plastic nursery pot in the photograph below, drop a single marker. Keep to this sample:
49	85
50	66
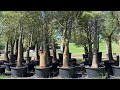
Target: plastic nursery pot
3	61
95	72
69	55
73	61
116	71
15	57
85	56
30	66
99	57
35	62
19	71
67	72
60	56
8	65
42	72
2	69
79	68
108	66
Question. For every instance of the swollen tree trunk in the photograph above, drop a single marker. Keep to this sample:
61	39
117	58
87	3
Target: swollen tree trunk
28	55
47	54
54	51
11	53
95	61
43	59
90	49
20	51
16	47
110	49
36	52
66	54
6	52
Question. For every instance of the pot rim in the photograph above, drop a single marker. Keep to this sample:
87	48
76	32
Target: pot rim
12	67
66	67
9	63
95	68
116	67
38	68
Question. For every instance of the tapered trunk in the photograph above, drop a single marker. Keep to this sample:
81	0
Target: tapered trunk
36	52
66	54
54	52
6	52
110	49
28	55
20	51
11	53
43	59
95	61
47	54
16	47
90	55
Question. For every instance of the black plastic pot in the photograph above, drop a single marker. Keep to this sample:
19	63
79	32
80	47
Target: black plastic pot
116	71
8	65
42	72
15	57
19	71
79	68
26	58
60	56
117	57
95	72
30	66
3	61
72	61
54	71
2	69
108	66
99	57
35	62
69	55
85	56
67	72
87	62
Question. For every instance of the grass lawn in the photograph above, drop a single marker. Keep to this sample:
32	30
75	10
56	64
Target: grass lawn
4	77
103	48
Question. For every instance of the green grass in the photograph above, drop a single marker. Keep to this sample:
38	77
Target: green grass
103	48
4	77
76	50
